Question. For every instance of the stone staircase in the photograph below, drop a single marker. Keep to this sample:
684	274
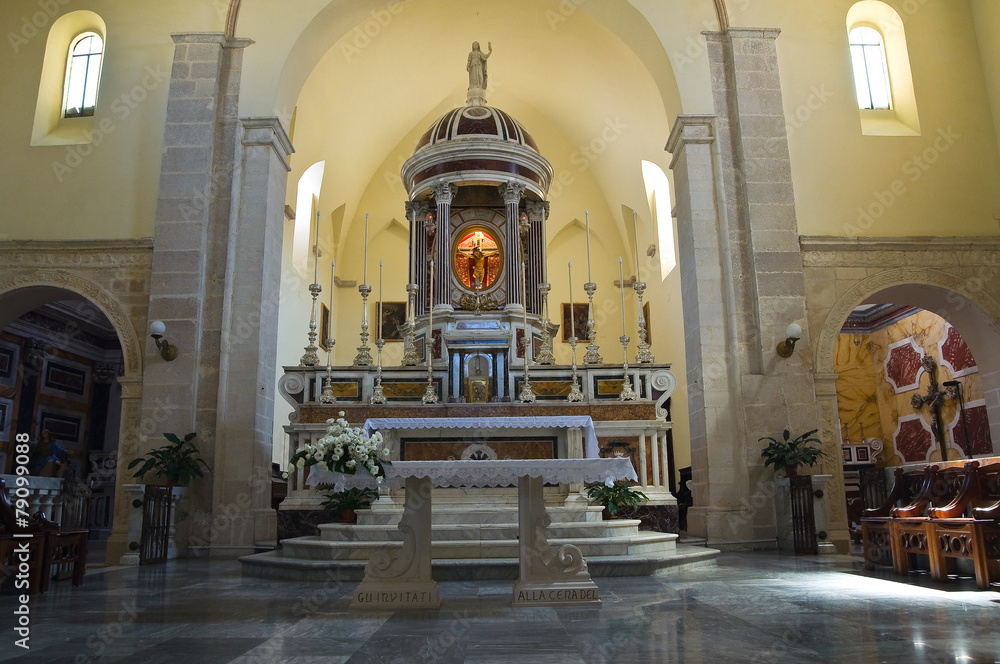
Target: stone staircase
477	540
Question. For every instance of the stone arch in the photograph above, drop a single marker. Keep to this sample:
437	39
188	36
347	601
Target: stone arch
100	297
959	300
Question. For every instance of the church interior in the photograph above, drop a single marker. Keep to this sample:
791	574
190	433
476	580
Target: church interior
544	260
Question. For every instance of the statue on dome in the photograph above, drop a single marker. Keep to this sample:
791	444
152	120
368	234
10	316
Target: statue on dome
477	69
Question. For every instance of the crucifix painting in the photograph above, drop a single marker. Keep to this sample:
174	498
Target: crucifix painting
934	400
477	260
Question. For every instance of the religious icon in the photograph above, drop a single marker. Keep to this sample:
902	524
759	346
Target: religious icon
477	260
392	320
579	321
645	315
324	326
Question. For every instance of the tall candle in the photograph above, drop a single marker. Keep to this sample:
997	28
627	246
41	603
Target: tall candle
430	321
316	252
333	281
572	314
621	290
379	324
364	279
587	215
635	233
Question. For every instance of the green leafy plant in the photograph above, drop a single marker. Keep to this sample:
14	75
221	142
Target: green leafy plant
350	499
790	453
176	462
619	497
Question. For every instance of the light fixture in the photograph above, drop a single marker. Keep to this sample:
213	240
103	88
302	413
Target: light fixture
786	347
156	330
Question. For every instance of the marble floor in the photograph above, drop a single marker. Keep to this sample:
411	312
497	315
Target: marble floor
761	607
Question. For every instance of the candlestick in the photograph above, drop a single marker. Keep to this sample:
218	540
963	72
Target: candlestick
545	355
430	394
378	323
316	252
643	354
364	278
328	396
627	393
410	357
592	355
310	358
574	391
635	239
378	396
587	215
364	356
526	395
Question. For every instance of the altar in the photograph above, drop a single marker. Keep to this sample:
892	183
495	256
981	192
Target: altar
400	578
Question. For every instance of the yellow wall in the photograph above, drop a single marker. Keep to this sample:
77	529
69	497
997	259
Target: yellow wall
865	397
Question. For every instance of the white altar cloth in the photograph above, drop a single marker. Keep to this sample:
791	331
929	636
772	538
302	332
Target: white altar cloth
480	423
484	473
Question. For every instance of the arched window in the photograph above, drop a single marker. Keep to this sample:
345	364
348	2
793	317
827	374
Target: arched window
83	75
871	74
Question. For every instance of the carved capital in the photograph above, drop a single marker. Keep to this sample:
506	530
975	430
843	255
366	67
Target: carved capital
417	210
537	210
444	192
511	192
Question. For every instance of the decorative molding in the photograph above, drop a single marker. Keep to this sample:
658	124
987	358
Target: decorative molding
829	243
268	132
77	253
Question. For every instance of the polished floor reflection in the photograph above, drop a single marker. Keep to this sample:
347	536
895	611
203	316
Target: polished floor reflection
747	608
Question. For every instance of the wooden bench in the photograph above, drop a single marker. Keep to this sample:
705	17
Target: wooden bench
48	545
908	525
968	527
875	535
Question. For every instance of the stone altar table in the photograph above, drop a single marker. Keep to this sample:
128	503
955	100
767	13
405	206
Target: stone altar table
400	578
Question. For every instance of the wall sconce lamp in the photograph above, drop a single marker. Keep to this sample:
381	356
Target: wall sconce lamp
156	330
786	347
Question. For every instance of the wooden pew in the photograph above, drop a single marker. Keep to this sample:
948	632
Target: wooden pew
967	528
908	525
47	543
875	535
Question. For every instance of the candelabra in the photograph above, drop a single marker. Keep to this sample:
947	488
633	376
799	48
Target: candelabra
643	355
545	355
592	356
328	396
574	391
627	393
410	357
364	356
430	394
526	395
310	358
378	396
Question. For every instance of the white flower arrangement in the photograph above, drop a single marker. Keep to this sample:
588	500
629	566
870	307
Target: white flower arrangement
343	449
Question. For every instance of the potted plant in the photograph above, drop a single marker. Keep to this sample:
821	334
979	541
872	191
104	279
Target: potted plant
790	453
348	501
619	497
176	462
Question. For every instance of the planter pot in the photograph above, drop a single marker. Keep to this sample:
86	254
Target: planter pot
791	471
348	516
607	515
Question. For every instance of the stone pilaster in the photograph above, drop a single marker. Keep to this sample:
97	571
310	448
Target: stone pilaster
444	193
241	476
747	262
511	193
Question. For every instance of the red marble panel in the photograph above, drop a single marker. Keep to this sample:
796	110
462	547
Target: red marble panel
902	366
956	353
912	439
979	429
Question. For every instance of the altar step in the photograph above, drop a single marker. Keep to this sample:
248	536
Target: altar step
276	565
639	544
354	533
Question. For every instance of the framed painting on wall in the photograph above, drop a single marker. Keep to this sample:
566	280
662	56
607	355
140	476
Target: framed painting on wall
579	321
392	320
324	326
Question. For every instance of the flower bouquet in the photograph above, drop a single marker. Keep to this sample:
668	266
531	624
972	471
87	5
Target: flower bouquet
343	450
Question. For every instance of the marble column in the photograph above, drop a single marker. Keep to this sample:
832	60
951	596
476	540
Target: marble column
511	193
444	194
416	212
538	213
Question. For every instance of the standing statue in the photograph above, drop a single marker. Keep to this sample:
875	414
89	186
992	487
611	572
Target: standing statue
477	69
